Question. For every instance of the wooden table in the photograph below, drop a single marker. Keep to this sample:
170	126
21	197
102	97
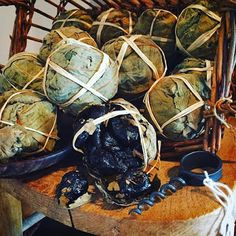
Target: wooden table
190	211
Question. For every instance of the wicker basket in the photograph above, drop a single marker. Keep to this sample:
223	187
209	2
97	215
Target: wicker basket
218	106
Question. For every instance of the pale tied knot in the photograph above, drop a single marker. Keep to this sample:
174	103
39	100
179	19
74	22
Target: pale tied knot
218	117
224	196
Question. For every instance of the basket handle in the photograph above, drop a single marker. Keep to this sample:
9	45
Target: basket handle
13	2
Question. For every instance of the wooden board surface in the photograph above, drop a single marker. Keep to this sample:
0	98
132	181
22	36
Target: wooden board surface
190	211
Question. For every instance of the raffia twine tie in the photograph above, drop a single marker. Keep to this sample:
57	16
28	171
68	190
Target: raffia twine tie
217	116
104	22
130	42
224	195
105	62
157	38
22	56
128	109
205	36
47	135
69	19
181	114
208	69
82	39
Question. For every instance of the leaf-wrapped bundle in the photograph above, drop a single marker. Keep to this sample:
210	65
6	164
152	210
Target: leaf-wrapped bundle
175	105
159	24
55	36
4	85
27	123
197	29
76	17
202	68
111	24
141	62
24	71
115	138
78	75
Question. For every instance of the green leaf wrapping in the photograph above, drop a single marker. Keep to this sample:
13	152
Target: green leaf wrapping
21	69
54	37
163	24
76	17
135	76
82	62
4	85
202	68
24	110
192	23
170	96
119	18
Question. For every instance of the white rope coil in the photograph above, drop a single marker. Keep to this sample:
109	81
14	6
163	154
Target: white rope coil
224	195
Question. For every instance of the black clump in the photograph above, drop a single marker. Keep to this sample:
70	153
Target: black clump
126	133
112	148
134	184
104	163
72	186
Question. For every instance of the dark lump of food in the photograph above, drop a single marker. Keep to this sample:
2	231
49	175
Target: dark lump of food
72	189
114	147
126	189
104	162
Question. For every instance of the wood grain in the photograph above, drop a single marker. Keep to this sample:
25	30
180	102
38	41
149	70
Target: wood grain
10	215
190	211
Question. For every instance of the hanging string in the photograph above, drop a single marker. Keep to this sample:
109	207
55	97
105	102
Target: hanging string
224	196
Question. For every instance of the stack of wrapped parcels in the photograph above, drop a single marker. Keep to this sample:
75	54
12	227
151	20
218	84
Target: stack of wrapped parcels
96	70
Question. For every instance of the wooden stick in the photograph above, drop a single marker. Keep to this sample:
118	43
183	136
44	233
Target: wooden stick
52	3
34	39
206	135
10	215
171	144
232	54
40	27
44	14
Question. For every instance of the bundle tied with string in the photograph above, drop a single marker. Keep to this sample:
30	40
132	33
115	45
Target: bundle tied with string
27	124
78	75
202	68
118	143
114	138
24	71
76	17
111	24
51	40
159	24
4	85
175	105
140	62
197	30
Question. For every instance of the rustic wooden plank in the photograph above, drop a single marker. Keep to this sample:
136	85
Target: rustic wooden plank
10	215
190	211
